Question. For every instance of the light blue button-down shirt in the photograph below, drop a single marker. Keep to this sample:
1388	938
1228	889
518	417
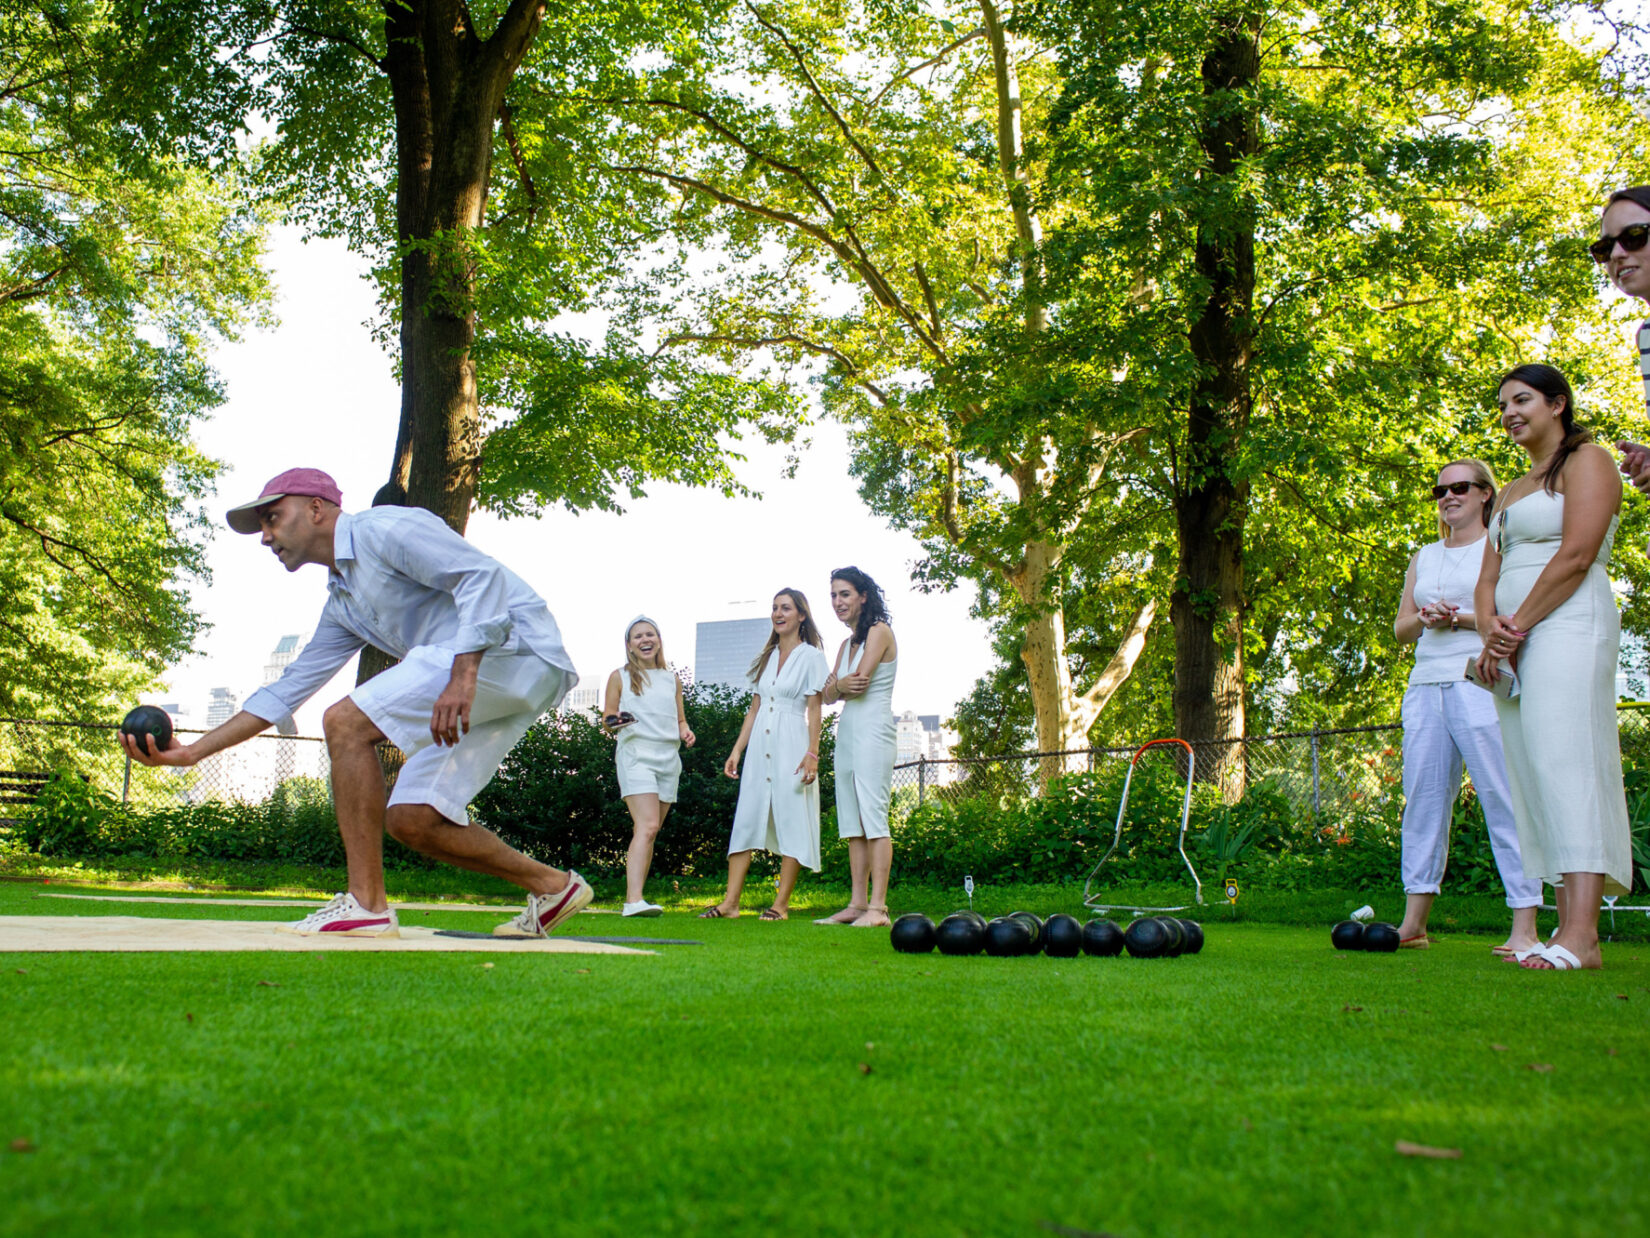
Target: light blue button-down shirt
405	579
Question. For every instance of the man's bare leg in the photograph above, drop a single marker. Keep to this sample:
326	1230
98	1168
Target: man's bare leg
358	798
472	847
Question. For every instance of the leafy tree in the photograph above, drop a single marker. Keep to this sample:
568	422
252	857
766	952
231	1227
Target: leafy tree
1301	243
119	266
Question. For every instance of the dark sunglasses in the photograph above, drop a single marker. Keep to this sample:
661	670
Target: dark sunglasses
1631	238
1455	487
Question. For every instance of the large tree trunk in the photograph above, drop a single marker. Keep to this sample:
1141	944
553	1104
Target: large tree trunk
448	88
1208	602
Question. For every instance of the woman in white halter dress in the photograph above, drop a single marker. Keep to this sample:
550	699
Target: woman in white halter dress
1554	623
779	780
863	680
643	710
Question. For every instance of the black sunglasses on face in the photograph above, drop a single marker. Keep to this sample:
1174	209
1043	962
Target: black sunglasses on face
1631	238
1454	487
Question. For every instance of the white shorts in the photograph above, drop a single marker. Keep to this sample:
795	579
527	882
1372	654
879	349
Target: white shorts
649	767
512	691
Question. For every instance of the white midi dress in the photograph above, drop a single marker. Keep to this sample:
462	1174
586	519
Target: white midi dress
1563	749
777	811
865	742
647	752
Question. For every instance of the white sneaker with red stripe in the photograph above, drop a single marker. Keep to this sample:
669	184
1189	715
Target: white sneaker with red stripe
344	917
545	912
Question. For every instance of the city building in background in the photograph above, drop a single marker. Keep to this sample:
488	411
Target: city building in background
583	701
286	649
222	706
723	650
920	736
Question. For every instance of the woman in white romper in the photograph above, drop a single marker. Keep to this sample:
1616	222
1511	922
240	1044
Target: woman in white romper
643	708
1447	720
1552	620
863	680
779	784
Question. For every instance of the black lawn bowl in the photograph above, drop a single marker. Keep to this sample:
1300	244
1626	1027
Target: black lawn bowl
1380	938
970	914
1194	936
147	720
1062	937
1034	926
1146	938
1177	936
913	934
1007	938
959	935
1347	935
1102	939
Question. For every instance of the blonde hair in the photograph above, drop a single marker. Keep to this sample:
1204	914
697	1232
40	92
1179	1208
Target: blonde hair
808	633
1483	476
634	666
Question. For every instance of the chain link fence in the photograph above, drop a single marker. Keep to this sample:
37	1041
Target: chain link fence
31	750
1325	772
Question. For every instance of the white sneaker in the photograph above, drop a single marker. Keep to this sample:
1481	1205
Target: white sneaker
345	917
643	908
545	912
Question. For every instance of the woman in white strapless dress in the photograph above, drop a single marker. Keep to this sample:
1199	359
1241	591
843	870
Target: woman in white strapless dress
863	680
1554	623
643	710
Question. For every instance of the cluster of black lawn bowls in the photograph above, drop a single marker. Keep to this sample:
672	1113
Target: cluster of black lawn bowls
1060	936
1376	938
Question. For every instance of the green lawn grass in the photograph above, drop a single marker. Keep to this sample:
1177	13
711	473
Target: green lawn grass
792	1080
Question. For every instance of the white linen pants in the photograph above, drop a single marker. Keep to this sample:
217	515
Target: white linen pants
1446	724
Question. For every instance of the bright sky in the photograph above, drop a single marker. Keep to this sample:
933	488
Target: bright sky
318	391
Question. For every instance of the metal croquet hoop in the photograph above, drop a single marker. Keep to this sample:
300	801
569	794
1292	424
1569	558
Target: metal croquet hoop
1122	808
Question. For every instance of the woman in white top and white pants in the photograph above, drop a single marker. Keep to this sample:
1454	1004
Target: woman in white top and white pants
643	709
1448	720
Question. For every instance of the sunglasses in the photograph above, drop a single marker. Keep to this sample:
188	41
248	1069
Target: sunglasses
1631	238
1455	487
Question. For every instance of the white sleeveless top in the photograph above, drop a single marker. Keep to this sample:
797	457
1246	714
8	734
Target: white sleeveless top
1446	574
654	709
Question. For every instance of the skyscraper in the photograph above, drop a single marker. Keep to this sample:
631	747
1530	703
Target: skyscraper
221	707
724	649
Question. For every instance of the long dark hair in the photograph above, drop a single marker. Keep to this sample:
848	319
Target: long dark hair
874	610
808	633
1550	383
1639	194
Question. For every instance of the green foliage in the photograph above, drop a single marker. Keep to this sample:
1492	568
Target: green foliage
119	266
557	794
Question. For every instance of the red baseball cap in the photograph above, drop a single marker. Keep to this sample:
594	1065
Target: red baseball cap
311	483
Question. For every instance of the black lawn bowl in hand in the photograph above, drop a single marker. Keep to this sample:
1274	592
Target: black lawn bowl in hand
147	720
1034	926
1177	936
1194	936
959	935
1381	938
1347	935
1146	939
913	934
1062	937
1102	939
1007	938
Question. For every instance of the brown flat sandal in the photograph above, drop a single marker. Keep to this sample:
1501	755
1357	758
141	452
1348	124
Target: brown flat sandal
713	912
773	914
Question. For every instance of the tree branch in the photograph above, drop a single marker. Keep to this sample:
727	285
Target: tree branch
952	524
509	130
1122	662
814	86
328	36
767	341
905	75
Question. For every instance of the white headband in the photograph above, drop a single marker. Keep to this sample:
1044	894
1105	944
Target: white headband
631	626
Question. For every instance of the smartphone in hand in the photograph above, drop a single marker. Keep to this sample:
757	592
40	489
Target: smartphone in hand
1505	686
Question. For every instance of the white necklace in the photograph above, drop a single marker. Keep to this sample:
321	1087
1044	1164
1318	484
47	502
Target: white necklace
1446	567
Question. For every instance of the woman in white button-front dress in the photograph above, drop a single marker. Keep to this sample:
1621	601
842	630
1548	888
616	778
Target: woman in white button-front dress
779	782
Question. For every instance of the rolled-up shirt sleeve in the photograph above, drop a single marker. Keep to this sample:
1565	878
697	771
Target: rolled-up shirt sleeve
479	585
330	647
